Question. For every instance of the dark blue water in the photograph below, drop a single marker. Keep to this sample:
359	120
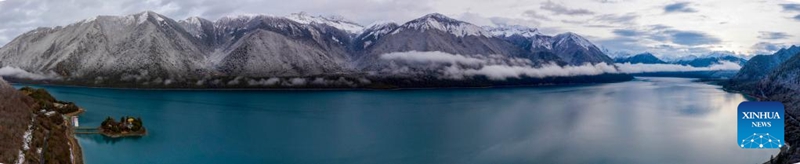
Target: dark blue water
648	120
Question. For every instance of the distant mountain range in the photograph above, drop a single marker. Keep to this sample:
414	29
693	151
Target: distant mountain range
150	49
775	77
694	61
643	58
761	66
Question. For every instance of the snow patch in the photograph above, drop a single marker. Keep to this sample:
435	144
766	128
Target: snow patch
564	38
336	22
26	141
511	30
442	23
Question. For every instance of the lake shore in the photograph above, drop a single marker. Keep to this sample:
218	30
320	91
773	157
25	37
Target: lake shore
373	84
75	146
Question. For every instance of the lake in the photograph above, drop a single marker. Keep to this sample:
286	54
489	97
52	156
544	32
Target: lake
647	120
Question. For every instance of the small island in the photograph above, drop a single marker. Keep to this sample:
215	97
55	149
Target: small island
126	127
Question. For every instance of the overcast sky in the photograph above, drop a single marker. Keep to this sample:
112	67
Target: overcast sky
663	27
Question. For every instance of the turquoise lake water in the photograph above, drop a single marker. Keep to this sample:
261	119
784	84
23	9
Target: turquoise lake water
648	120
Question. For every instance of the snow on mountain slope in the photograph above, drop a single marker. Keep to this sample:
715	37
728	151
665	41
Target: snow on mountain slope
761	66
118	46
510	30
576	50
372	33
264	53
566	39
269	45
150	48
336	22
643	58
440	22
542	43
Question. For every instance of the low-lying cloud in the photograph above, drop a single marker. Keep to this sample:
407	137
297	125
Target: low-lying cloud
458	67
18	73
648	68
503	72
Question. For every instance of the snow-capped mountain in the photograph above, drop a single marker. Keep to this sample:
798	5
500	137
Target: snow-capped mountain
643	58
124	47
149	48
432	32
787	74
576	50
372	33
443	23
511	30
706	61
569	47
761	66
333	21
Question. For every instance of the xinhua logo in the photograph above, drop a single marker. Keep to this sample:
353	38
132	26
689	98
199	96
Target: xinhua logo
760	125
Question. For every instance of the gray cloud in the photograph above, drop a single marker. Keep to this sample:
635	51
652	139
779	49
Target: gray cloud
791	7
605	21
626	32
766	48
609	1
533	14
573	21
679	7
797	17
658	27
642	68
625	44
628	18
18	73
598	26
692	38
558	9
668	42
773	35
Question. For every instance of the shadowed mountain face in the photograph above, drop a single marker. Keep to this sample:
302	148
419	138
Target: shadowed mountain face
149	47
568	48
576	50
644	58
708	61
760	66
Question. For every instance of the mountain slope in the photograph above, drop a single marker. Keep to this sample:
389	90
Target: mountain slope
436	32
760	66
786	75
144	44
148	49
263	46
576	50
643	58
569	48
263	53
708	61
336	22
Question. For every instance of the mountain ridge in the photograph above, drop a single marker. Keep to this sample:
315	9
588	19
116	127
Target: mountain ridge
149	48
